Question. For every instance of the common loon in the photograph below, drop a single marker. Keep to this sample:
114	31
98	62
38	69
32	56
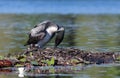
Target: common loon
42	33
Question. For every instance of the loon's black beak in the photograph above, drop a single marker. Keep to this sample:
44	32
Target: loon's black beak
59	36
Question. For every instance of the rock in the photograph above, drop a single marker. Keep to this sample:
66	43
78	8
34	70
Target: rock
5	63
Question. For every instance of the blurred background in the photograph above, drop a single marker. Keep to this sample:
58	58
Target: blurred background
92	25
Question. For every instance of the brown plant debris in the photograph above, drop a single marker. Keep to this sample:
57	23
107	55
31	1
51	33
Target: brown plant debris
60	57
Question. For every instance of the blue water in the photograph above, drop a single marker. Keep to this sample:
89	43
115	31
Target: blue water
61	6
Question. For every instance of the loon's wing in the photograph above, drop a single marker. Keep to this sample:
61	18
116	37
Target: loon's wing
35	39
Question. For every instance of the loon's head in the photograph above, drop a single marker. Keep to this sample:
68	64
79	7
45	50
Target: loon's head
59	36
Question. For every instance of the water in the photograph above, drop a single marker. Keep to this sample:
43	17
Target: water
62	6
93	71
87	32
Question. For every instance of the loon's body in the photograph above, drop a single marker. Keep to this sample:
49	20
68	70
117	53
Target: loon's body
43	33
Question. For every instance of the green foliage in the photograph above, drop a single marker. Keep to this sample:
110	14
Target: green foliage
22	58
74	61
118	59
49	62
1	57
19	65
34	62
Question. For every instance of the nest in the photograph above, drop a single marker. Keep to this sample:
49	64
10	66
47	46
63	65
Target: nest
67	57
59	57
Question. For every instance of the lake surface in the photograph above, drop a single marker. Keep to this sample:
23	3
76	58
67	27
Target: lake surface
88	32
60	6
92	71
